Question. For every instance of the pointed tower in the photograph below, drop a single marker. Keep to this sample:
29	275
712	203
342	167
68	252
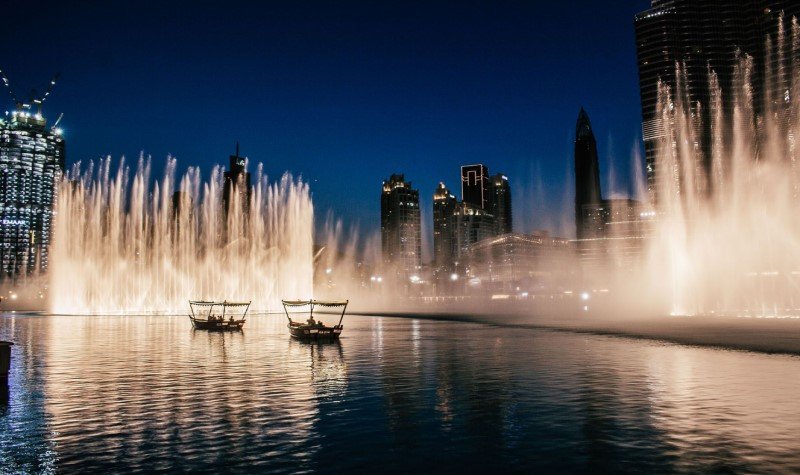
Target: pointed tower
587	171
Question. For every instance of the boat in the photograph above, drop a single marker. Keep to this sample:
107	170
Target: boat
220	316
314	329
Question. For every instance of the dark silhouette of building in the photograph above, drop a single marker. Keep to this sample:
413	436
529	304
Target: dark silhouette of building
587	172
475	185
32	163
704	36
401	237
444	205
500	204
237	182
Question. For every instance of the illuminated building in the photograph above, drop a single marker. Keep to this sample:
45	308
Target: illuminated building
475	186
444	205
587	171
469	224
615	234
515	263
31	164
401	237
500	204
704	36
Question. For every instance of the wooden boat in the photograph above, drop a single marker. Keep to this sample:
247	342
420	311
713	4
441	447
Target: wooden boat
314	329
218	316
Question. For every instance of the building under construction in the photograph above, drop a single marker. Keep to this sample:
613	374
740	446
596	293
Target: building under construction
31	164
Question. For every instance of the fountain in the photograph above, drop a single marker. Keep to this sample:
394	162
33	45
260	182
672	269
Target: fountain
122	245
727	238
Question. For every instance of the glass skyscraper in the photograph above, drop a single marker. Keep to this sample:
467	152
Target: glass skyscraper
31	163
704	36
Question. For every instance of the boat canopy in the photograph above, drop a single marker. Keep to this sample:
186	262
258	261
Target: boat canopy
322	303
206	309
209	303
315	303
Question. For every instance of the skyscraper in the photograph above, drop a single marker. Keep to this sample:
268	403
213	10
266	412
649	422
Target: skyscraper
401	237
237	180
444	205
704	36
500	203
469	224
32	163
475	185
587	171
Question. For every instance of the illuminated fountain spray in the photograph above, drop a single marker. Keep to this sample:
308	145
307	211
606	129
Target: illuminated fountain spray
728	233
121	245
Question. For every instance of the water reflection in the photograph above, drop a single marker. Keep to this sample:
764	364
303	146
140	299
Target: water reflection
149	393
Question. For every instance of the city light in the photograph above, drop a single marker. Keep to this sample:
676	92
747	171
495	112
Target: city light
454	277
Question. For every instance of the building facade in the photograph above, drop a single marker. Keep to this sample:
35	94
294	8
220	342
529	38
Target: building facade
475	185
31	164
520	263
500	204
615	233
469	224
444	205
587	172
704	36
401	236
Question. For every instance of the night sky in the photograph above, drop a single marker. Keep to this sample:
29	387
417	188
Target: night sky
343	93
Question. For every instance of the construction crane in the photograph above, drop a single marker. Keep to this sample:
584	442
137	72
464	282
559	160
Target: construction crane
14	98
35	98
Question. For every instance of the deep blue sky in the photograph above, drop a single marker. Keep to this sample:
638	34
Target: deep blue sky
344	93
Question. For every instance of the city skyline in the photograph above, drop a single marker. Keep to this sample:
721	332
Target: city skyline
122	94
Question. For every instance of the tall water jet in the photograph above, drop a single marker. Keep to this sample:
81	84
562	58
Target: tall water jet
122	245
728	237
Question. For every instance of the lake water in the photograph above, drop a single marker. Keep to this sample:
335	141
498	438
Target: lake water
145	393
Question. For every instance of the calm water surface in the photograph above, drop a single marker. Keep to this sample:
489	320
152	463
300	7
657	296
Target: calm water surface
142	394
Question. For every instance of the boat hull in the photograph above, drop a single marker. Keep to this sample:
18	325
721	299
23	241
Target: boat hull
315	332
217	325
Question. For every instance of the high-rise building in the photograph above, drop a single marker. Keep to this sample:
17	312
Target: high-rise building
500	203
444	205
237	180
469	224
704	36
31	164
401	236
587	171
475	185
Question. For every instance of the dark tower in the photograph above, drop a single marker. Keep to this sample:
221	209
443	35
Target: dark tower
444	205
475	186
500	194
237	180
587	170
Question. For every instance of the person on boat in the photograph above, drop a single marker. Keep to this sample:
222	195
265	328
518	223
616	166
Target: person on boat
311	321
320	324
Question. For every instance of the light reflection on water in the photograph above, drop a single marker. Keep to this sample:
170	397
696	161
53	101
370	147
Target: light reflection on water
150	393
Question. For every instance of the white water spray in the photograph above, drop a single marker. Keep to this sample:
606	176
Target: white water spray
121	245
